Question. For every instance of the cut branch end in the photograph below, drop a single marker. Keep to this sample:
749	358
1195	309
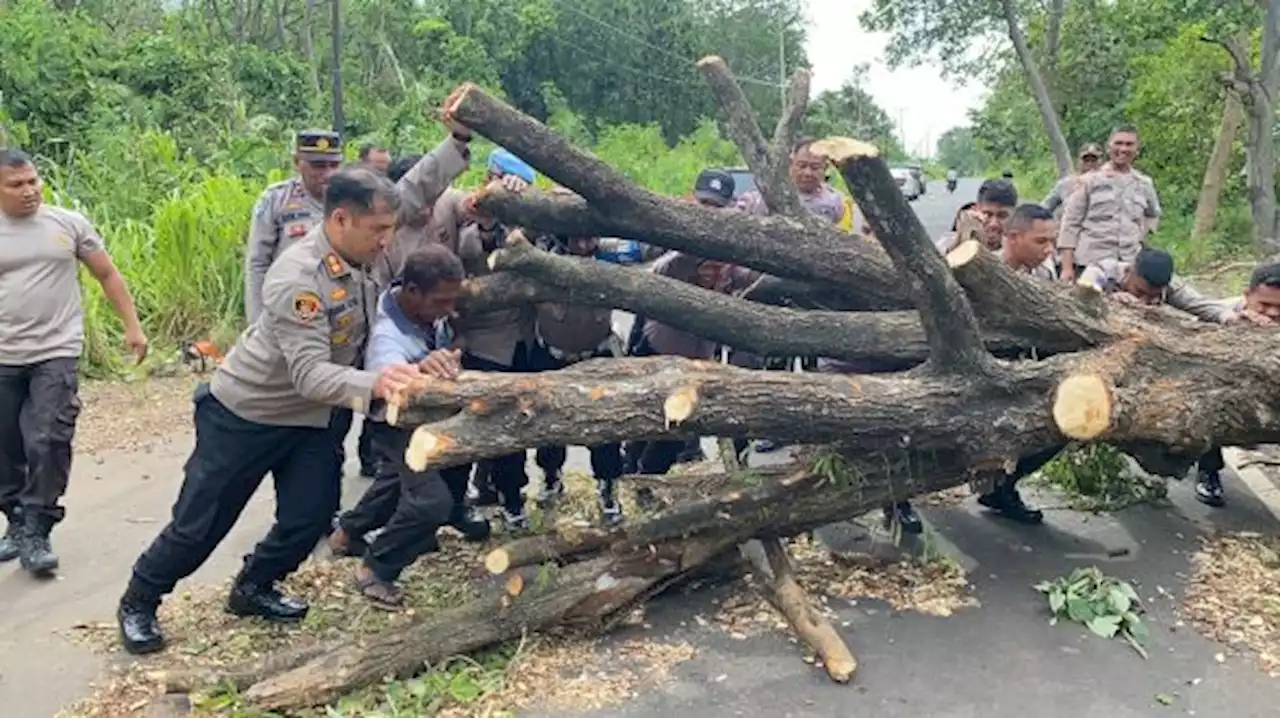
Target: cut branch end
680	405
711	60
964	254
497	561
424	446
844	149
1082	407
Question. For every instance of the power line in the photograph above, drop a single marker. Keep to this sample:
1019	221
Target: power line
623	33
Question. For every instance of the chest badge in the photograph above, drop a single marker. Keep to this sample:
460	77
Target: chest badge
296	230
338	294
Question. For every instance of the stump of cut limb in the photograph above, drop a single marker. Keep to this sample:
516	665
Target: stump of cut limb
970	367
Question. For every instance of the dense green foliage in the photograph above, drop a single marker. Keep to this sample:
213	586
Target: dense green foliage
1141	62
164	120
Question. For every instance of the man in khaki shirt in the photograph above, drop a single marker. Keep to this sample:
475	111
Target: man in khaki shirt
288	210
270	408
1111	211
1090	158
41	338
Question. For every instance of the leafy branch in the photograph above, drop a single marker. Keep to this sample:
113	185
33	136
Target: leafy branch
1107	606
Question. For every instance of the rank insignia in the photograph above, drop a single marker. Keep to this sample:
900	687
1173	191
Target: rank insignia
334	264
306	306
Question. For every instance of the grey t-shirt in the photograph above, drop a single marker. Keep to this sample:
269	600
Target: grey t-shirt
40	315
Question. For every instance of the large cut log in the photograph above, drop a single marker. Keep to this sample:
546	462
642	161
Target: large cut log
1183	390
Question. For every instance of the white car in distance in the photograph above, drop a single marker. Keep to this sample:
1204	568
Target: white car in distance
907	183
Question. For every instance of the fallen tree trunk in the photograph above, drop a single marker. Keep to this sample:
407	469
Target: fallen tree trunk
586	588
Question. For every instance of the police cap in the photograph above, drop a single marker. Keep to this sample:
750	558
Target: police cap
324	145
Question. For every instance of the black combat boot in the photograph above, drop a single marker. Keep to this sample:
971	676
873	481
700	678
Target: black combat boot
473	526
1007	502
11	542
139	629
610	508
34	550
903	514
1209	488
552	491
265	601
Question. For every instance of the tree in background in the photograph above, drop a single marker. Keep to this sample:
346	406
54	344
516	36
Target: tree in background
957	148
851	112
948	30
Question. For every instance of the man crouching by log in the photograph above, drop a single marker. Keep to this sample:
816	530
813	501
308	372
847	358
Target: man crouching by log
409	506
271	409
565	334
1150	280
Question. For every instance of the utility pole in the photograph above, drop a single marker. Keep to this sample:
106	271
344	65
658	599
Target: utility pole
335	30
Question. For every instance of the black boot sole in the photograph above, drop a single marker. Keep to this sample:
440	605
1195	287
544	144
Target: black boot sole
268	617
40	570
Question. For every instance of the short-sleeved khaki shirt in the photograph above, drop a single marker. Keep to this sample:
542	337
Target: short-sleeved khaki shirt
1107	216
284	214
41	316
304	354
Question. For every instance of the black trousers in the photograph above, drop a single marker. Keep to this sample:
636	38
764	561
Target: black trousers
409	506
1213	461
39	405
365	450
231	457
506	473
606	459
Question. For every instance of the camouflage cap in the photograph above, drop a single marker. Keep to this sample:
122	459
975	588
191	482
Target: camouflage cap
319	145
1090	150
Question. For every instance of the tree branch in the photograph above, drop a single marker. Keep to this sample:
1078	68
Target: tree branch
793	112
857	271
889	341
955	344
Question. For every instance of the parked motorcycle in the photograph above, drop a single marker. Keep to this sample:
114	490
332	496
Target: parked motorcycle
951	186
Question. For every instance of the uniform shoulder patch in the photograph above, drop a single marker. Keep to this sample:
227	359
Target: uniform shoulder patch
306	306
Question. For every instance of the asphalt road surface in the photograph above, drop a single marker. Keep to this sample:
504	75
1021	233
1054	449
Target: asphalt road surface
1002	659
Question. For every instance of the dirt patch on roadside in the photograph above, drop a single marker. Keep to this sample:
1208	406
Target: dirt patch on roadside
1233	595
133	416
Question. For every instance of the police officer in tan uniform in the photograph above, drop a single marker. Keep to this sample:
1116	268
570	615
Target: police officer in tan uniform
270	408
288	210
41	338
1111	211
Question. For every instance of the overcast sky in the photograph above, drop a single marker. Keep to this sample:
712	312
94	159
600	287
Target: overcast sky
925	104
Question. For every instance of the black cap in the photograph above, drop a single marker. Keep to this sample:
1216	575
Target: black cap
319	145
715	186
1155	266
